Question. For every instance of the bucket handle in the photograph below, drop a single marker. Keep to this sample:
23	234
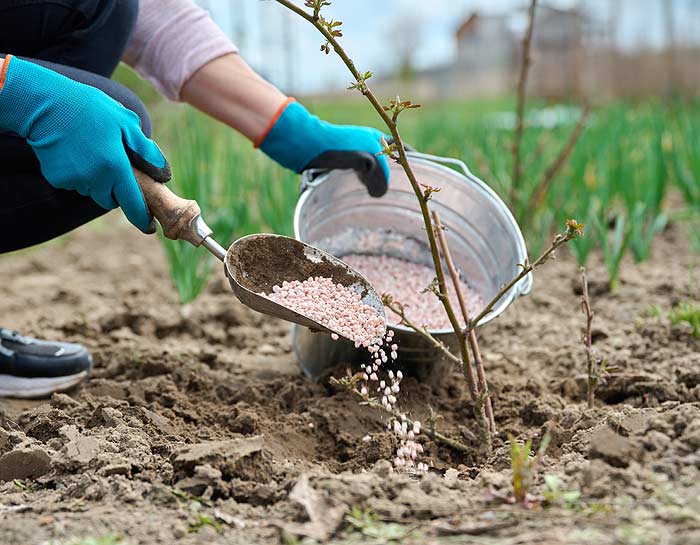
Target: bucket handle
309	178
444	160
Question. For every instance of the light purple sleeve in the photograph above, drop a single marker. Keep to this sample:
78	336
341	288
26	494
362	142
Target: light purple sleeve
172	40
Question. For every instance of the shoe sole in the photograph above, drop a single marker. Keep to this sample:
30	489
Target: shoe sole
29	388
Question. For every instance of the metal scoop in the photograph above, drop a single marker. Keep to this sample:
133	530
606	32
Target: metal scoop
255	263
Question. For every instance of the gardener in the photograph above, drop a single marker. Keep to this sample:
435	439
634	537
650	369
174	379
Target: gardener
70	135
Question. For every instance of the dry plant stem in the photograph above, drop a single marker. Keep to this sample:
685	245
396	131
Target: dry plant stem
535	155
588	338
520	108
473	342
403	161
540	192
526	269
398	309
475	390
468	371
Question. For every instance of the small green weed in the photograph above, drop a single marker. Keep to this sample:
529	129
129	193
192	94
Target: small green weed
554	494
687	312
654	311
290	539
19	484
188	499
372	528
524	467
613	245
202	520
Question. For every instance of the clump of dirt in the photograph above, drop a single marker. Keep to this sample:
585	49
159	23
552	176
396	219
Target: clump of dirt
197	425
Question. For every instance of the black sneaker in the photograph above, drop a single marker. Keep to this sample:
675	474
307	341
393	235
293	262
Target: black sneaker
32	368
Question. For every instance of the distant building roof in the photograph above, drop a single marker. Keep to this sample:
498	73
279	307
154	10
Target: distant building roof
555	27
471	24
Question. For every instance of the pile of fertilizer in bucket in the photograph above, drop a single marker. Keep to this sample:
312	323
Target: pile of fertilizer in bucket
401	266
406	282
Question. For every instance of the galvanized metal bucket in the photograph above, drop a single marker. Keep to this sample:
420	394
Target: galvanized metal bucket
484	238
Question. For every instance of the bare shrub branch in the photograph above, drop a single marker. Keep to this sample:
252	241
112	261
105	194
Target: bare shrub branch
525	60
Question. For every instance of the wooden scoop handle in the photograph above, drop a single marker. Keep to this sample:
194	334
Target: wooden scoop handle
177	216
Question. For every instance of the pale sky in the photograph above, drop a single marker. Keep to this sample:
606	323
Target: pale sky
286	49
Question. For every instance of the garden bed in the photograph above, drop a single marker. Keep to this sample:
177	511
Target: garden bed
198	427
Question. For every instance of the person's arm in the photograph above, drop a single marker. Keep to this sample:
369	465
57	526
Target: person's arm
232	92
2	72
84	140
180	49
229	90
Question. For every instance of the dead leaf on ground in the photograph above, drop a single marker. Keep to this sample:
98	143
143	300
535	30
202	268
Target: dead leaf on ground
325	513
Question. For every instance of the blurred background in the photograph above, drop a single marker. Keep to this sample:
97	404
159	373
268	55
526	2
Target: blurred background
630	170
458	48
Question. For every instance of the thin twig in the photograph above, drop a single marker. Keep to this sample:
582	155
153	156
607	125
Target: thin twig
574	230
482	384
540	192
525	61
588	338
467	369
398	309
542	142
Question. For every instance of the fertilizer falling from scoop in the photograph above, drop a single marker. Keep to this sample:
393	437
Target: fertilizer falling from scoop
341	309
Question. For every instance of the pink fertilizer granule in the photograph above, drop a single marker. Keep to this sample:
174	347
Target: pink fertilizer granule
406	283
337	307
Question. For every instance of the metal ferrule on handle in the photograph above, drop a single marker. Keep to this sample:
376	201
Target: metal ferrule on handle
180	219
207	240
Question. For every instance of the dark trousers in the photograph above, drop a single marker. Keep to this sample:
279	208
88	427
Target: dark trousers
84	40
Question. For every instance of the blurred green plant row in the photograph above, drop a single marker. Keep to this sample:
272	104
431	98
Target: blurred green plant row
239	190
616	181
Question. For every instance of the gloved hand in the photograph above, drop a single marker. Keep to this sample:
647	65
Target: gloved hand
298	140
84	139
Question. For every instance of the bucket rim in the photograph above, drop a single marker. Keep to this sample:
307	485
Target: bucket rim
311	179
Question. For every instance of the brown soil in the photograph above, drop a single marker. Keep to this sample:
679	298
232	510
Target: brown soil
197	426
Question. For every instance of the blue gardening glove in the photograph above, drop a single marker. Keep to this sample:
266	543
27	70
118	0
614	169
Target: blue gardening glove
84	139
298	140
